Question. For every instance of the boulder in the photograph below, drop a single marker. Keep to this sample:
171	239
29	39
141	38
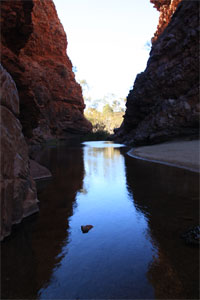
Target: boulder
18	191
38	171
86	228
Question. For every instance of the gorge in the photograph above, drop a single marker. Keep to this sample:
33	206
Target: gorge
137	209
162	105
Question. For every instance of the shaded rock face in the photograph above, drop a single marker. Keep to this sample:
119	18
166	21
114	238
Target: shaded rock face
18	192
39	241
164	101
34	53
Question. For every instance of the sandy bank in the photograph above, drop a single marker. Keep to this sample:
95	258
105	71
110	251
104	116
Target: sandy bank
183	154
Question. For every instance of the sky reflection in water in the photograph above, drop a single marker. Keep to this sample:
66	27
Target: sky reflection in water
112	259
138	209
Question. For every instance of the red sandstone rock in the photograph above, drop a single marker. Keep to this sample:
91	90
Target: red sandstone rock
166	9
34	53
18	192
164	102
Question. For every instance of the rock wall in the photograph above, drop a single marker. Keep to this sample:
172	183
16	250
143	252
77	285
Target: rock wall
164	102
18	197
166	9
34	53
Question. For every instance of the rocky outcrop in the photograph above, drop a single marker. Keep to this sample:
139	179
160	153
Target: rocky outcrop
166	9
38	171
163	103
34	53
18	192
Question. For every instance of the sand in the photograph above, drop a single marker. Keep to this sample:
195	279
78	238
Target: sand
183	154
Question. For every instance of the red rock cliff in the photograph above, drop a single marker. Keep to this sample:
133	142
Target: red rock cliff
166	9
164	101
18	197
34	53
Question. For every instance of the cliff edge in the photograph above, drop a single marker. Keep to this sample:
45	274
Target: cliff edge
39	100
33	45
164	101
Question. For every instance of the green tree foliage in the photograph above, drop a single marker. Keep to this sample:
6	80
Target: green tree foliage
105	121
105	114
116	105
107	109
84	84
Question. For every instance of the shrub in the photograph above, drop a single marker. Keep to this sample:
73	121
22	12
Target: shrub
103	122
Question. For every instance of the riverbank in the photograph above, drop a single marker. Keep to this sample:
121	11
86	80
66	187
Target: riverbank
183	154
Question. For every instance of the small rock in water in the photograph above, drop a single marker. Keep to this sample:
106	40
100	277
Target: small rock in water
192	236
86	228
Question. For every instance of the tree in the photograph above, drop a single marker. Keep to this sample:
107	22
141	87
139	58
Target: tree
107	109
95	103
84	84
116	105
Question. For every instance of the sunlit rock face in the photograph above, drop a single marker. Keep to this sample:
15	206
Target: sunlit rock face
166	9
34	53
164	102
18	193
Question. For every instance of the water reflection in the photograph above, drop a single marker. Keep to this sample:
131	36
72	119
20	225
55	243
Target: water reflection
34	250
133	251
111	260
168	196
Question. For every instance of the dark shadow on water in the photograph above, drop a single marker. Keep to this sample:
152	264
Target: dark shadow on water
169	197
31	254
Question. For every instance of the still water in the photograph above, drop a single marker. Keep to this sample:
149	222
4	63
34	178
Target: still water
134	251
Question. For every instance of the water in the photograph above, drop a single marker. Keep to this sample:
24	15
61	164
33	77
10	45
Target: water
134	251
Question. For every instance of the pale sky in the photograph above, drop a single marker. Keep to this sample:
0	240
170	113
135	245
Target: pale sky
106	41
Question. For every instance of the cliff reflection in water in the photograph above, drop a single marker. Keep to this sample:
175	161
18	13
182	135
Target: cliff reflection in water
168	197
31	254
111	260
134	250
